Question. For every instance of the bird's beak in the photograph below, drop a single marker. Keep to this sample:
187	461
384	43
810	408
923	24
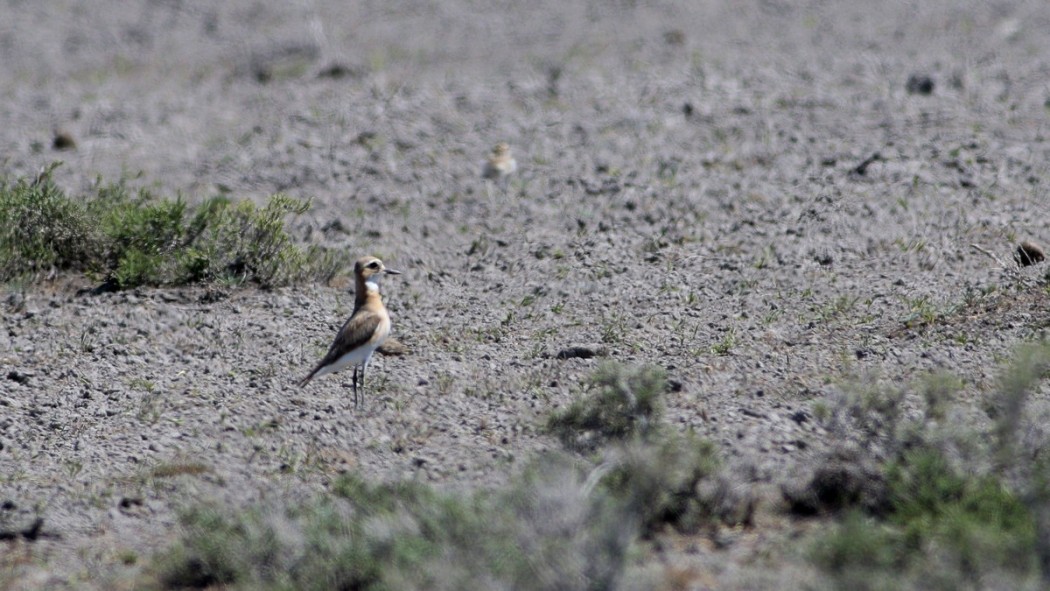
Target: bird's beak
391	272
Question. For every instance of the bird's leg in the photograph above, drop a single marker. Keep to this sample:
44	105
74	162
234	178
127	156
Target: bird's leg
355	385
364	367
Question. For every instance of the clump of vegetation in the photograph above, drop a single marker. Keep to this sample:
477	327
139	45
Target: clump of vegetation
129	238
676	482
958	507
41	229
546	531
621	404
664	479
971	527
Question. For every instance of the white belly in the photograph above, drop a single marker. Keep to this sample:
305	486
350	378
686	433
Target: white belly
356	358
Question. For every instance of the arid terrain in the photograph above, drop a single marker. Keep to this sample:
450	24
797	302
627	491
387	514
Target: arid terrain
766	199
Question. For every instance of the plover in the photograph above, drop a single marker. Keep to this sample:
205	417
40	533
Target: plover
364	331
500	164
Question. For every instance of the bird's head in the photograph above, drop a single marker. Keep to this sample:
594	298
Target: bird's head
369	270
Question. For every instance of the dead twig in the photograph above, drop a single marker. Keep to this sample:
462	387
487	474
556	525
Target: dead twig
990	255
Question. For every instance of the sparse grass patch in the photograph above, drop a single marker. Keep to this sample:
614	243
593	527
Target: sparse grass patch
173	469
843	307
614	328
129	238
725	345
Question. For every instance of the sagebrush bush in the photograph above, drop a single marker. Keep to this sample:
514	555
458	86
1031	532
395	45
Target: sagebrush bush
960	506
676	481
41	229
970	528
129	238
621	403
664	479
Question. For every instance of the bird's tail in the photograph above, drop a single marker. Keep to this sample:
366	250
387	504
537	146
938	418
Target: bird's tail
303	382
321	369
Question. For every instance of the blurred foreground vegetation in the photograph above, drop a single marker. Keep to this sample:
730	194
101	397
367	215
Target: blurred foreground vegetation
912	501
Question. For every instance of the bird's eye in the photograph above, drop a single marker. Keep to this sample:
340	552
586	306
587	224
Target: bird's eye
373	265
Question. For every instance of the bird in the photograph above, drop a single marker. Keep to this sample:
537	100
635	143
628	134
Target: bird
500	164
364	331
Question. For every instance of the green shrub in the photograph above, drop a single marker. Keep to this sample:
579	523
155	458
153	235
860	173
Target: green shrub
129	238
968	526
41	229
861	553
245	242
210	553
975	516
677	482
622	404
662	478
961	507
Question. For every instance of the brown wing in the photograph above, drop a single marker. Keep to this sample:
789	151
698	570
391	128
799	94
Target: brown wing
357	331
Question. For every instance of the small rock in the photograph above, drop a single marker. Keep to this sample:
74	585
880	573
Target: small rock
581	352
63	140
337	70
1029	253
364	138
674	37
335	226
16	300
31	532
21	377
862	168
211	296
129	502
723	539
919	84
393	346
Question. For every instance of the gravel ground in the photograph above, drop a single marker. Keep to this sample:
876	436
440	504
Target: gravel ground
765	200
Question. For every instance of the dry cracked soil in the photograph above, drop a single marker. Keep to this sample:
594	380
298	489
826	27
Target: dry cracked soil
767	199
